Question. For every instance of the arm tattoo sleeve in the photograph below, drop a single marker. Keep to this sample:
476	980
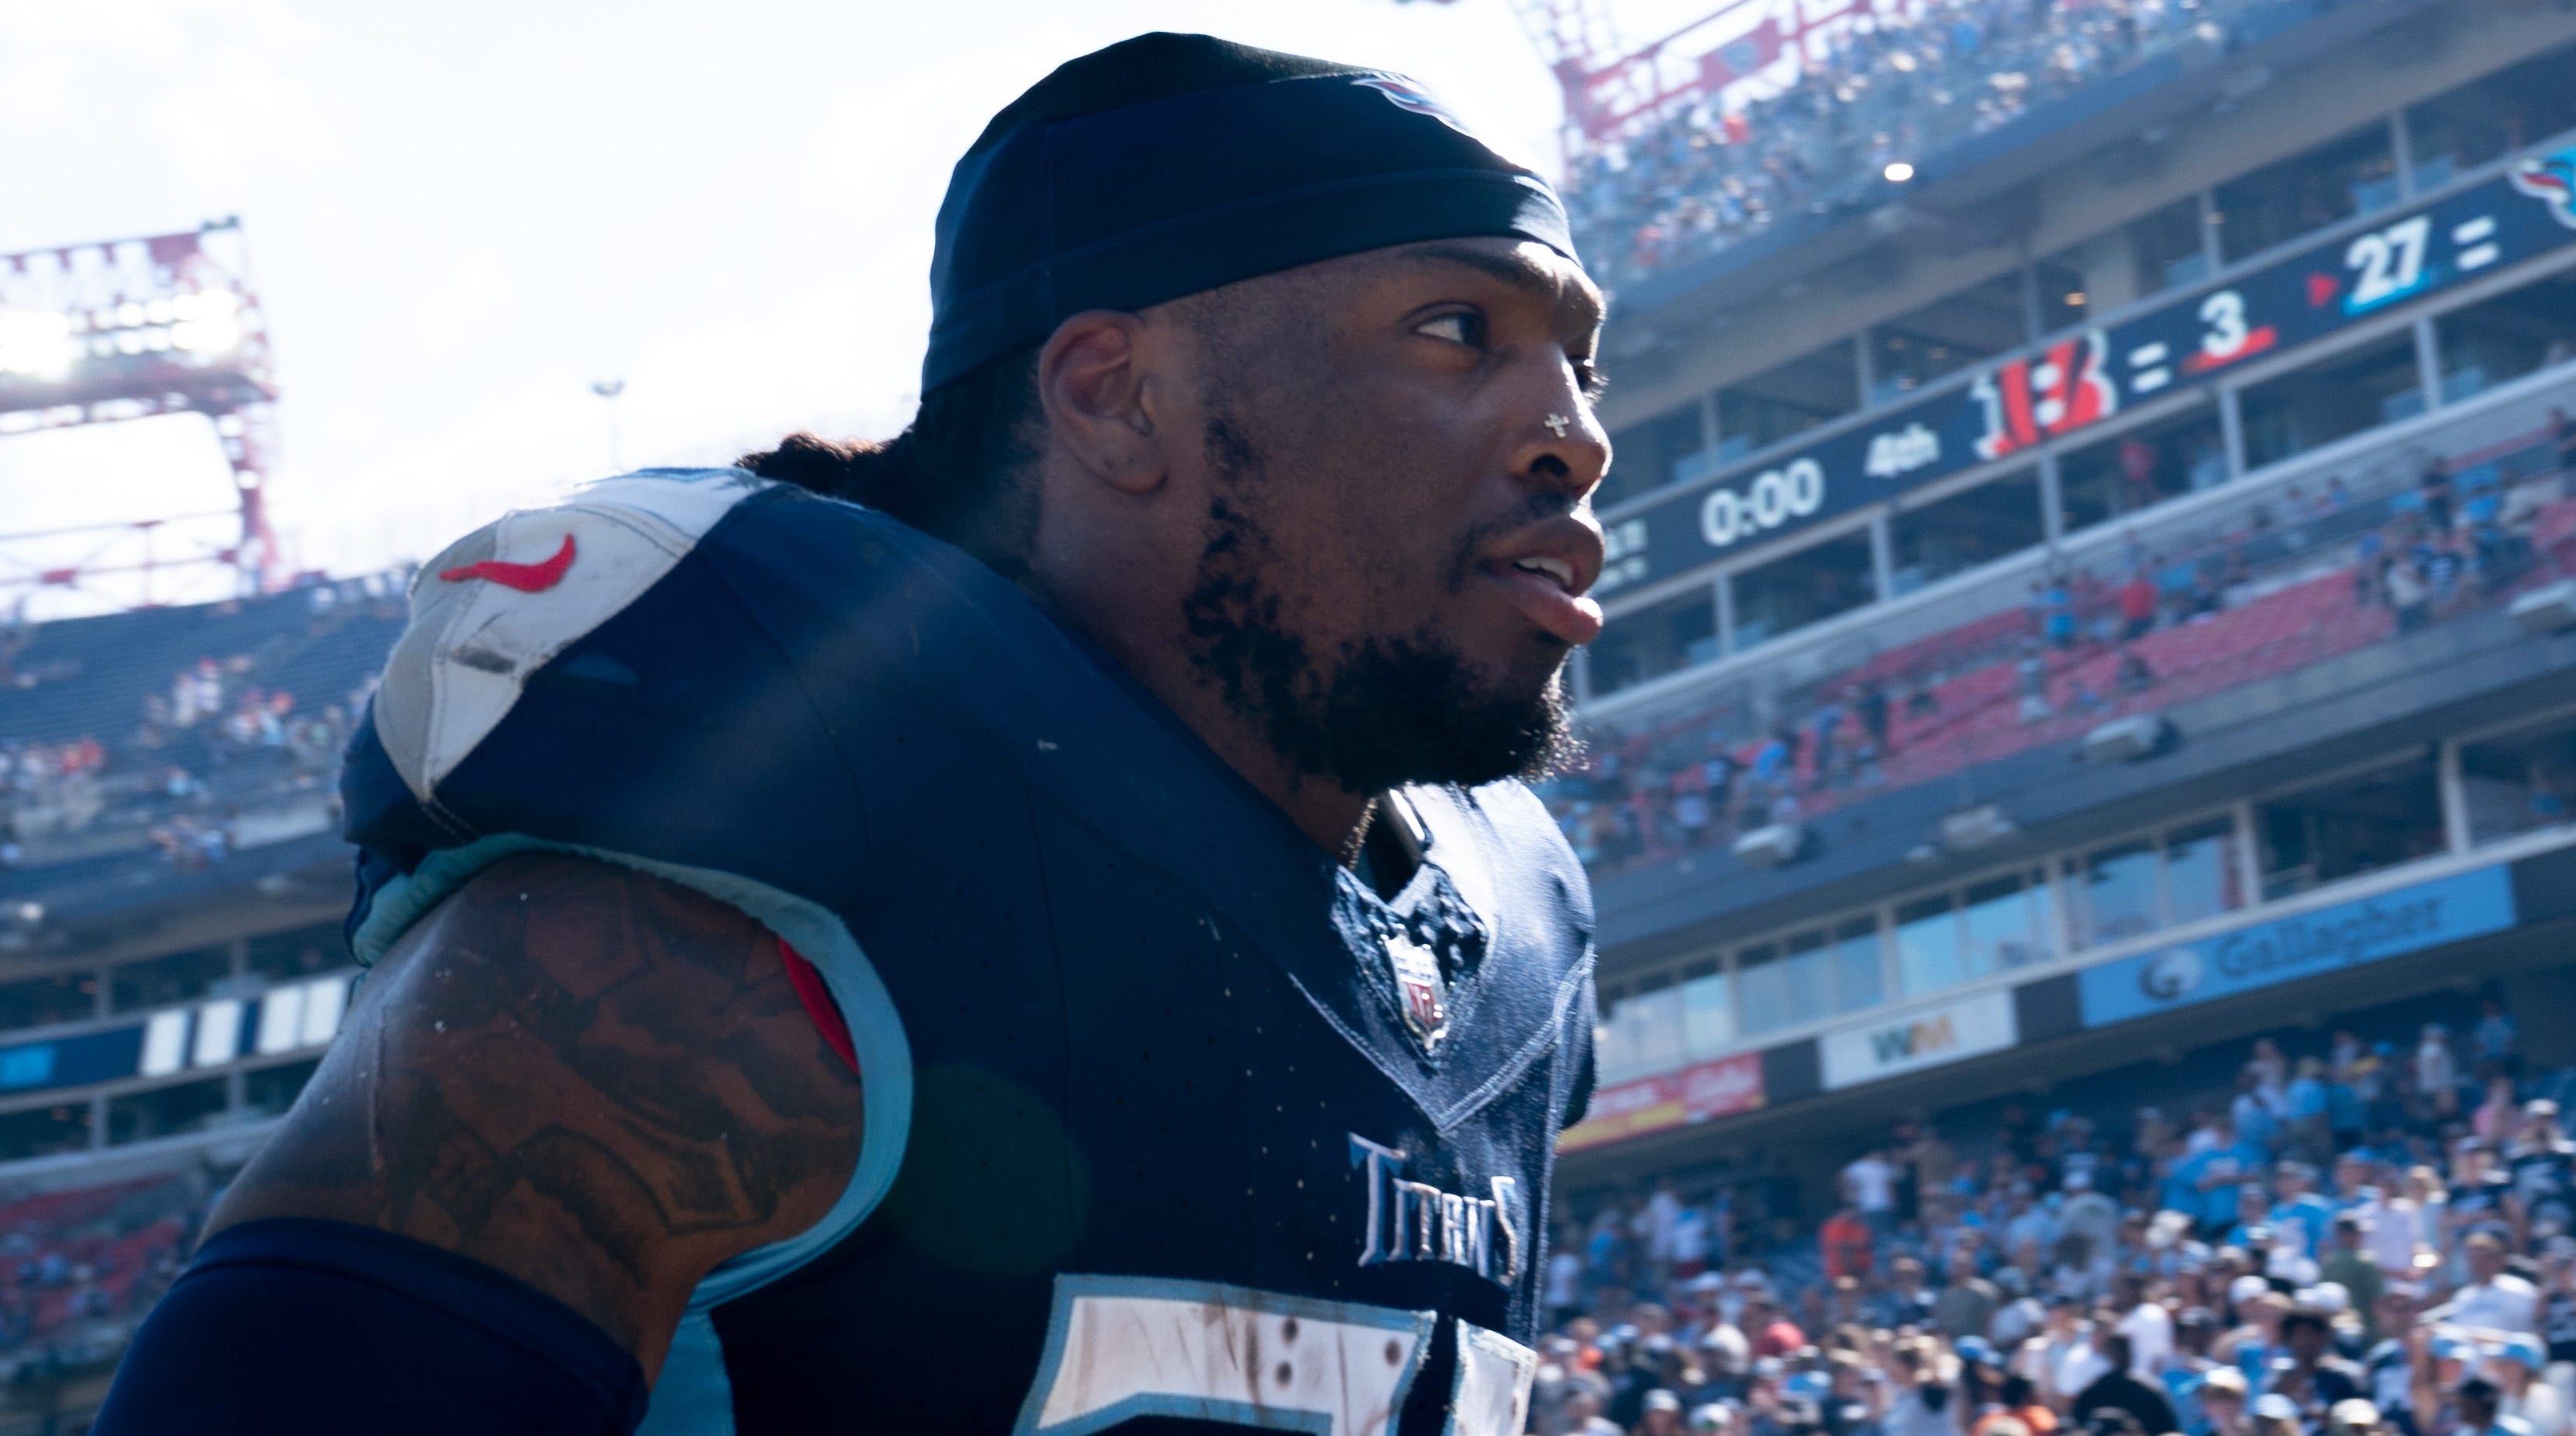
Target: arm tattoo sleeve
598	1082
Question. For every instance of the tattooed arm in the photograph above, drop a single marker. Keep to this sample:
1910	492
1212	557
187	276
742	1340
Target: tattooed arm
592	1080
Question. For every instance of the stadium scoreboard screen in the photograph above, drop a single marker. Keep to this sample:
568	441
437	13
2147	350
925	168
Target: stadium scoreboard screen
2081	379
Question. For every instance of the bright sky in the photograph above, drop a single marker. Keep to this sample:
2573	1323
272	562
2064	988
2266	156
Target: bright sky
459	215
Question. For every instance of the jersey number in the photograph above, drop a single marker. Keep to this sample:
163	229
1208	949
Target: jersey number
1122	1347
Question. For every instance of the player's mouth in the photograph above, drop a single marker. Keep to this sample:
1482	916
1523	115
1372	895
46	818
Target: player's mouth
1545	569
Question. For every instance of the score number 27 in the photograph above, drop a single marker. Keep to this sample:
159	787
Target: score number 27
2391	262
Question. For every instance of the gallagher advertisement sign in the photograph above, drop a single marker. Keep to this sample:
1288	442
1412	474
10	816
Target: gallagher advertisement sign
2082	379
1699	1093
2329	939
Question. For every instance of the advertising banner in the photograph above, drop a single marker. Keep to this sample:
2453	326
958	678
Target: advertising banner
2328	939
1698	1093
1897	1043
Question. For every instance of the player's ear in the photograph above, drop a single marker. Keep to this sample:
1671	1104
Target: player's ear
1092	380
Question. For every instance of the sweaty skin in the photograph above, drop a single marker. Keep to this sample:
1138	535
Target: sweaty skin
594	1080
1382	422
604	1085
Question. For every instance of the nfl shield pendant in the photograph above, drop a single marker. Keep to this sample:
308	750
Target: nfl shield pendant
1426	996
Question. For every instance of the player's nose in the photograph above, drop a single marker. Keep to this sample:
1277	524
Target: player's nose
1562	446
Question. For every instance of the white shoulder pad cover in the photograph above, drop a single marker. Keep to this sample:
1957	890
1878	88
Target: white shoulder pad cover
504	600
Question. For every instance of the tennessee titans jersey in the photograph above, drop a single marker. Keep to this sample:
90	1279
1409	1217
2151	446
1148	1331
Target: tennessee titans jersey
1170	1122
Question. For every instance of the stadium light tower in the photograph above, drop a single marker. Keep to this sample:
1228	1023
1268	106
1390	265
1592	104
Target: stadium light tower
608	390
1611	89
130	329
1574	39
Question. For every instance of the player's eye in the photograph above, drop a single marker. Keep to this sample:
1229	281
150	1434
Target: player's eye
1463	326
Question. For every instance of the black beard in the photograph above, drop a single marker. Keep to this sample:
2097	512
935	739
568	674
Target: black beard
1392	711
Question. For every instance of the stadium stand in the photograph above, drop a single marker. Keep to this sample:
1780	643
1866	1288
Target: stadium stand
166	778
2402	1183
190	732
1902	84
2030	803
1891	1139
2290	580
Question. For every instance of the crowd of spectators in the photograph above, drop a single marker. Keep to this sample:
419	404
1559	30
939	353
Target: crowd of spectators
2445	546
1893	82
2371	1239
79	1266
174	758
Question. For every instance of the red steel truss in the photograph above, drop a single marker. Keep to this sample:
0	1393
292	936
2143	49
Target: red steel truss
130	329
1611	88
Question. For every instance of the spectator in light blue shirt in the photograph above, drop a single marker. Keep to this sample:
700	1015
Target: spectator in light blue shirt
2308	1090
2257	1124
2301	1217
2253	1226
2346	1113
2494	1039
2308	1131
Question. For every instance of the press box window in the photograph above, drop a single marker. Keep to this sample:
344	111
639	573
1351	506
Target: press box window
298	952
2464	128
2141	468
1708	1023
1783	986
2340	397
1663	638
2203	875
1966	530
1946	336
43	1131
39	1001
180	977
2506	337
1786	399
165	1111
1611	1039
2306	192
2520	782
1813	584
2117	892
2349	827
1647	456
2157	251
1655	1025
1928	958
1860	967
1640	1033
2008	921
2064	301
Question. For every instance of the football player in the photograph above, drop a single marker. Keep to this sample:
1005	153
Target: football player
1031	926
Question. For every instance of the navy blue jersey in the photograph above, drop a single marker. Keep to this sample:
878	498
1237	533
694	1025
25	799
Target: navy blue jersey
1168	1118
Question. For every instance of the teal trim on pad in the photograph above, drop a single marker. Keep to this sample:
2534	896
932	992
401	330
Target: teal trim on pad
694	1395
876	1033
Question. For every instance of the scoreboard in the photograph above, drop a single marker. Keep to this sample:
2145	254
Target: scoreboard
2079	380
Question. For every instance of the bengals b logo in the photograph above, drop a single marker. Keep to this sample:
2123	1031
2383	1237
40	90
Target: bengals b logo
2058	391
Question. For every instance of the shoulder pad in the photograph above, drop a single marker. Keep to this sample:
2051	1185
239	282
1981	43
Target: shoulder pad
501	602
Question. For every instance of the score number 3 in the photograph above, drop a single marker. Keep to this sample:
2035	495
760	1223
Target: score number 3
1122	1347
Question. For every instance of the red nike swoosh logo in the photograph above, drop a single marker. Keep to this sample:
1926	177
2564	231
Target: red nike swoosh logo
525	577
